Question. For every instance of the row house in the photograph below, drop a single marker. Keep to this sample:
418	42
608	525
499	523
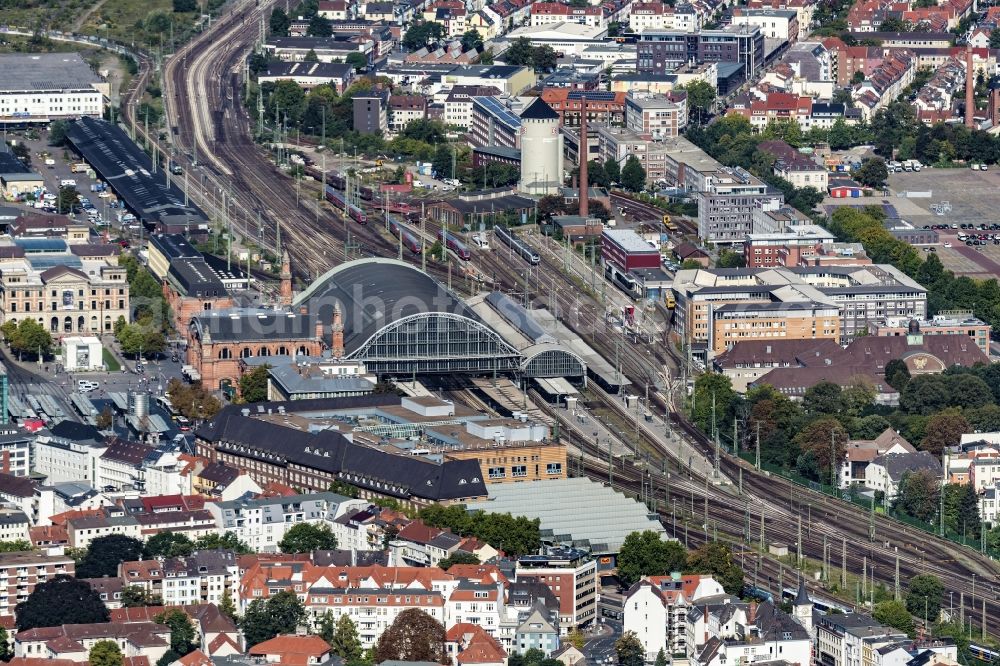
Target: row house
935	98
656	607
548	13
748	633
418	544
886	83
83	529
121	465
849	61
204	576
74	641
366	528
261	523
449	13
773	107
218	635
603	107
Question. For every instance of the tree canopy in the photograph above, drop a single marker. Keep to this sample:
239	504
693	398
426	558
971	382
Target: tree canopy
105	553
514	536
253	384
182	631
62	600
647	554
924	595
167	544
629	650
27	337
278	614
716	558
307	537
105	653
413	636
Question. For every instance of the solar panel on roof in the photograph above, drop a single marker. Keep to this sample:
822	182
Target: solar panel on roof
41	244
595	95
498	109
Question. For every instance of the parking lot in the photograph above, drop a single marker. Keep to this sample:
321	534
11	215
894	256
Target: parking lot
973	198
54	174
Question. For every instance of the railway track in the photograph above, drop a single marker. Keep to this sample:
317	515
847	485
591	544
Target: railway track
316	238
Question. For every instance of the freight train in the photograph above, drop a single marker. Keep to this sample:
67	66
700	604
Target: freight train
510	239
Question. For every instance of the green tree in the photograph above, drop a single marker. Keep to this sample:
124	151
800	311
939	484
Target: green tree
105	419
629	650
717	559
472	40
311	56
344	640
134	596
823	398
167	544
105	554
279	22
66	199
647	554
357	60
918	495
62	600
731	259
633	175
442	164
420	34
105	653
226	541
995	38
307	537
227	607
700	100
870	427
872	172
185	6
961	510
460	557
319	26
16	546
712	393
923	597
413	636
253	384
897	374
6	653
612	170
57	132
182	633
894	614
265	619
661	658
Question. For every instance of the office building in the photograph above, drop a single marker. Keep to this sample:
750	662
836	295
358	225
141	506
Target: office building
726	205
663	51
42	87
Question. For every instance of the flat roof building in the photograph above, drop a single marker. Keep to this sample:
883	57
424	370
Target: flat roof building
42	87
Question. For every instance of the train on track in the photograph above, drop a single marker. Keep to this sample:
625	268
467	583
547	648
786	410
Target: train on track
411	242
623	281
510	239
336	197
366	194
452	242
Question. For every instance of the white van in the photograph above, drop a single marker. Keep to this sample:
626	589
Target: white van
86	385
67	182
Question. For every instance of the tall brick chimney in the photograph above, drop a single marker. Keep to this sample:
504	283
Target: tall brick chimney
970	88
584	152
337	333
285	293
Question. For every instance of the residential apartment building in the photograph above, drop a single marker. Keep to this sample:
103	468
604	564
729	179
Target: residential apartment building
886	472
15	447
656	609
785	248
603	107
458	103
404	109
121	465
144	641
726	205
22	571
495	122
548	13
61	459
371	112
663	51
779	24
799	169
571	575
204	576
885	83
660	116
859	454
840	638
652	16
747	633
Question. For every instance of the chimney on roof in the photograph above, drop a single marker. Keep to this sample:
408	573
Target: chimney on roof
970	88
584	150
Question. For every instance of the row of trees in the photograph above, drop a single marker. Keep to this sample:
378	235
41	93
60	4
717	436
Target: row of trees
513	535
193	401
27	337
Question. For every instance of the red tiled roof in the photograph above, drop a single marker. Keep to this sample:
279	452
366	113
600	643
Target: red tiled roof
292	649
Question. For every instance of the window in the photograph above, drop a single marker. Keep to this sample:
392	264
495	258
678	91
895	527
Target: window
497	472
519	471
553	468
